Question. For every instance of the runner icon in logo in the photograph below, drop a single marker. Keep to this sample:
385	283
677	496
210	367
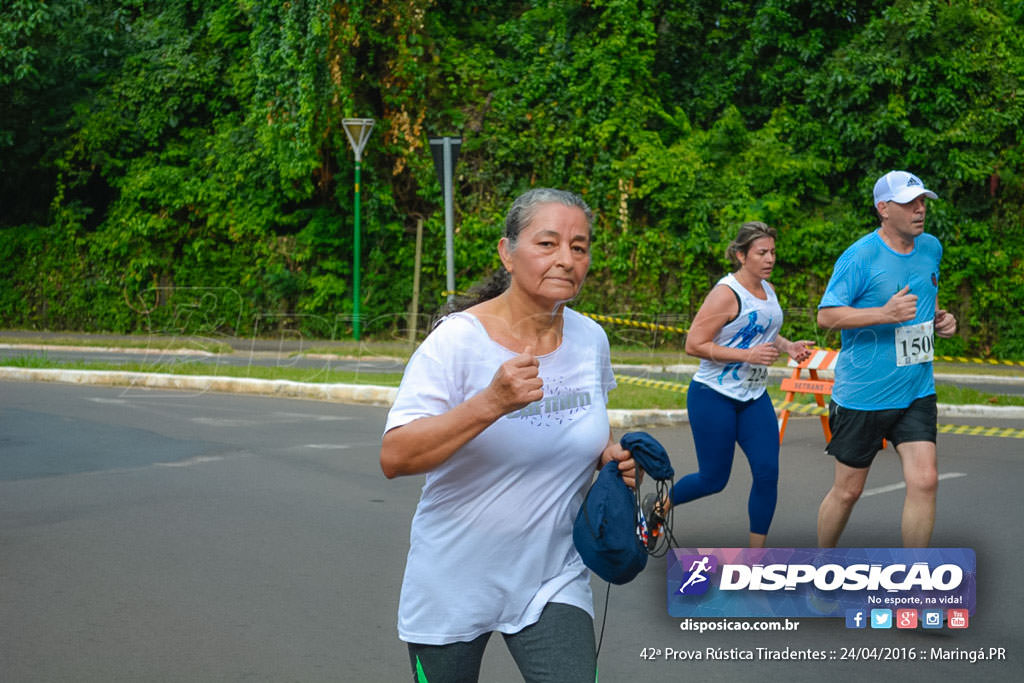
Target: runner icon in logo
696	582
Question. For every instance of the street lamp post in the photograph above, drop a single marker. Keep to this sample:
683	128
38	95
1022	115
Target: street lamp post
358	132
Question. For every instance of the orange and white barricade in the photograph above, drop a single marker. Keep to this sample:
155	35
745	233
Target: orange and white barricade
819	360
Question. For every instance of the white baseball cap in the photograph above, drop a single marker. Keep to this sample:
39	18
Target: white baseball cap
900	187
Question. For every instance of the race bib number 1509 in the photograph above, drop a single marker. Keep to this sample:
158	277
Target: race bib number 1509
915	344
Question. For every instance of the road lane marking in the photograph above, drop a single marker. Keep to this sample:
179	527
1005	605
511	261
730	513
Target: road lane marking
896	487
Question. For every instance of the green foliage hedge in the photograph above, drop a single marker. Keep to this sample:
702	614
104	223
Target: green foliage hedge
180	166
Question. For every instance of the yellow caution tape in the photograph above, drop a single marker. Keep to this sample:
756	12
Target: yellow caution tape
1005	432
654	383
635	323
806	408
987	361
682	330
813	409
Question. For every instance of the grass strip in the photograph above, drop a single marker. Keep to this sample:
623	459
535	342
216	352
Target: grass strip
624	397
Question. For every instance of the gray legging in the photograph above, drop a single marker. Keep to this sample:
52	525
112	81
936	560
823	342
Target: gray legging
558	648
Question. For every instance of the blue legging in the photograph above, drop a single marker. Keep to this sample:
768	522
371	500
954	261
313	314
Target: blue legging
718	423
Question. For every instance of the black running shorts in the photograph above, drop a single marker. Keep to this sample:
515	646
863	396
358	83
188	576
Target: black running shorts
857	434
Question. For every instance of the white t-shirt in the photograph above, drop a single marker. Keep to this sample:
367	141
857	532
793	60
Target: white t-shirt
758	322
491	540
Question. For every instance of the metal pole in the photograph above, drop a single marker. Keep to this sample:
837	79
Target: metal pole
355	277
449	219
414	318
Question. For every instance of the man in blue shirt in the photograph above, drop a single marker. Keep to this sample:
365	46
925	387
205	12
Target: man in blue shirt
883	297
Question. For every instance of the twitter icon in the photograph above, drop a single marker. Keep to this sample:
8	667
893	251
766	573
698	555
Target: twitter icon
881	618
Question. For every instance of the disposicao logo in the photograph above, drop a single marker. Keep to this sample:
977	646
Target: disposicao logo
782	582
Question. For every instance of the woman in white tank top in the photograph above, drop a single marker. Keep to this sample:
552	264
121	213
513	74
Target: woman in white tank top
736	335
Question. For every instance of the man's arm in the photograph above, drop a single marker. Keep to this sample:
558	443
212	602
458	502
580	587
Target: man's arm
900	308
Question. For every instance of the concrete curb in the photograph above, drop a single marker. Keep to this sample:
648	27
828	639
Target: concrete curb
626	419
113	349
342	393
368	394
993	412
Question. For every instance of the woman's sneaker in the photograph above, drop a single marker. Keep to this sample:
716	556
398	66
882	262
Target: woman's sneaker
651	509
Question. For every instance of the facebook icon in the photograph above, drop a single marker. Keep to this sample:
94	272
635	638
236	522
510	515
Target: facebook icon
856	618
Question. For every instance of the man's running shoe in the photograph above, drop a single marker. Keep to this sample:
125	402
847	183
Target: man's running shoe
651	509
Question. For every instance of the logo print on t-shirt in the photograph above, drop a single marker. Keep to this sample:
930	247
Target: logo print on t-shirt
743	338
560	405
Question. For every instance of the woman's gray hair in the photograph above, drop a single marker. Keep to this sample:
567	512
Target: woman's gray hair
519	216
525	207
748	234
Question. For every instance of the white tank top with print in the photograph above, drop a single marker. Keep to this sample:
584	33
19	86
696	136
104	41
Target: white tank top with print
758	322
